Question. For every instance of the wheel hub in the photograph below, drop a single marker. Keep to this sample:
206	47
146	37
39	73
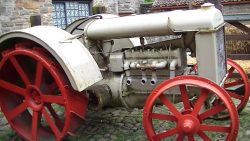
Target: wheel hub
34	98
189	124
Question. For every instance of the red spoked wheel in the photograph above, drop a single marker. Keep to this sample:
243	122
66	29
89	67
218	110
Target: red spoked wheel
35	96
240	96
184	121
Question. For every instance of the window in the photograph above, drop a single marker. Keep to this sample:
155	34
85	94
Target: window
66	12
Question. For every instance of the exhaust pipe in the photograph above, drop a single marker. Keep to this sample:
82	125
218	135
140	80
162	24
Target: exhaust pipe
99	97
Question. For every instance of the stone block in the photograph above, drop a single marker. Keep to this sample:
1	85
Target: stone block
44	10
24	12
31	4
4	18
6	24
47	4
20	22
7	11
2	9
19	4
17	27
6	29
8	3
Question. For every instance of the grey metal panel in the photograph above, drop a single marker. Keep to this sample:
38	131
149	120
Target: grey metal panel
237	17
116	62
239	56
211	56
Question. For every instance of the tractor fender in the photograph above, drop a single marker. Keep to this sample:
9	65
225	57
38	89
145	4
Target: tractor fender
75	59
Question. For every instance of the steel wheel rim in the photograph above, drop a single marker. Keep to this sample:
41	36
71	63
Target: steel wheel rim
177	117
34	105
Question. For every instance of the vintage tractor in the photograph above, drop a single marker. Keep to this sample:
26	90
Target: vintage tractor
49	77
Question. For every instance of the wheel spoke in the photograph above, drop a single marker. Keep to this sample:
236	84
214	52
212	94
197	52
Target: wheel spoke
235	83
36	117
20	70
53	99
184	96
17	111
215	128
200	102
204	136
163	117
55	116
166	134
39	74
180	137
190	138
170	106
11	87
230	72
236	96
213	111
51	123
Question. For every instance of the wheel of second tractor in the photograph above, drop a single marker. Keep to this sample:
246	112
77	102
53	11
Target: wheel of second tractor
36	97
187	115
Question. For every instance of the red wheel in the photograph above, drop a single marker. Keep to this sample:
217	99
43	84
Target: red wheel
35	96
240	97
184	121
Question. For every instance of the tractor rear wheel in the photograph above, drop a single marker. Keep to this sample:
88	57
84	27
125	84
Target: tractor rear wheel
187	120
243	92
36	97
237	87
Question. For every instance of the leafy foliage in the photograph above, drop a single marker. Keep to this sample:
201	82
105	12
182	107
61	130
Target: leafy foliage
148	1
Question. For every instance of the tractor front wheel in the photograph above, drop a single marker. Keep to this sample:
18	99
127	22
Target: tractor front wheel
189	119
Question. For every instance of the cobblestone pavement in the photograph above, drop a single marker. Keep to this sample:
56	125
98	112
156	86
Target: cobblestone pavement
118	124
115	124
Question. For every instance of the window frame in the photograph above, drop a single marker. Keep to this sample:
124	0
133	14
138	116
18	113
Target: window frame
88	2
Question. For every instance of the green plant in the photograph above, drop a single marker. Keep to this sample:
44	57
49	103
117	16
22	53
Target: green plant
148	1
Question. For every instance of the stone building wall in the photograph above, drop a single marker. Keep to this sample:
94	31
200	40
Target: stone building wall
129	6
119	6
15	14
111	6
